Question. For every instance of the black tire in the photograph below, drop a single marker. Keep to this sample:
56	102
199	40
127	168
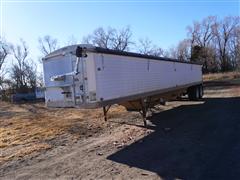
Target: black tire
197	93
201	92
194	93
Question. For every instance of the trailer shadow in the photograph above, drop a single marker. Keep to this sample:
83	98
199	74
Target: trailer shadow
190	142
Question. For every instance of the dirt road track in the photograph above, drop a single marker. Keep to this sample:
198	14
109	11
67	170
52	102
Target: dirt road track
204	142
193	140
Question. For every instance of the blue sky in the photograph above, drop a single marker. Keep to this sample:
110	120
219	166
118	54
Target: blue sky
164	22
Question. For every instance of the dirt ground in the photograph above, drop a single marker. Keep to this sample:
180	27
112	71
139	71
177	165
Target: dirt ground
184	139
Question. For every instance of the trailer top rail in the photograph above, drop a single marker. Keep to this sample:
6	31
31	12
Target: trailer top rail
91	48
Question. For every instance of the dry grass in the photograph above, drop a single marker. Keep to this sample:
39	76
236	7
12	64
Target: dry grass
221	76
27	128
30	148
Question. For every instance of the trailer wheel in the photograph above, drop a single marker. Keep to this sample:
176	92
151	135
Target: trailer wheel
194	93
197	93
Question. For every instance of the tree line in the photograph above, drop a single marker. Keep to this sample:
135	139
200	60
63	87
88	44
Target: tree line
212	41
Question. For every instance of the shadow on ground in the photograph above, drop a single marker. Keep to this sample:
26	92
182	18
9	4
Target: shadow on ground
190	142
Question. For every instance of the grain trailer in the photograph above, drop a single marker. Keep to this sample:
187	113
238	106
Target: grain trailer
86	76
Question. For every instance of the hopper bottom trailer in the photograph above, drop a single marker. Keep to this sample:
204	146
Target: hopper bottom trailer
86	76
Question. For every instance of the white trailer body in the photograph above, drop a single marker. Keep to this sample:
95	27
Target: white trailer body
103	77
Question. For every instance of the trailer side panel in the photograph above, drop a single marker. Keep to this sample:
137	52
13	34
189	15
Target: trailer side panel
121	76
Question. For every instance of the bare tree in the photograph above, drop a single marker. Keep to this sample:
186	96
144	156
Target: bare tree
145	46
122	39
110	38
72	40
234	47
171	53
180	52
183	50
201	32
101	38
47	44
39	79
223	33
4	51
200	37
23	72
31	74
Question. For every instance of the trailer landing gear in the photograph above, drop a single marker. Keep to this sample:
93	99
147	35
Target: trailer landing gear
144	109
105	111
